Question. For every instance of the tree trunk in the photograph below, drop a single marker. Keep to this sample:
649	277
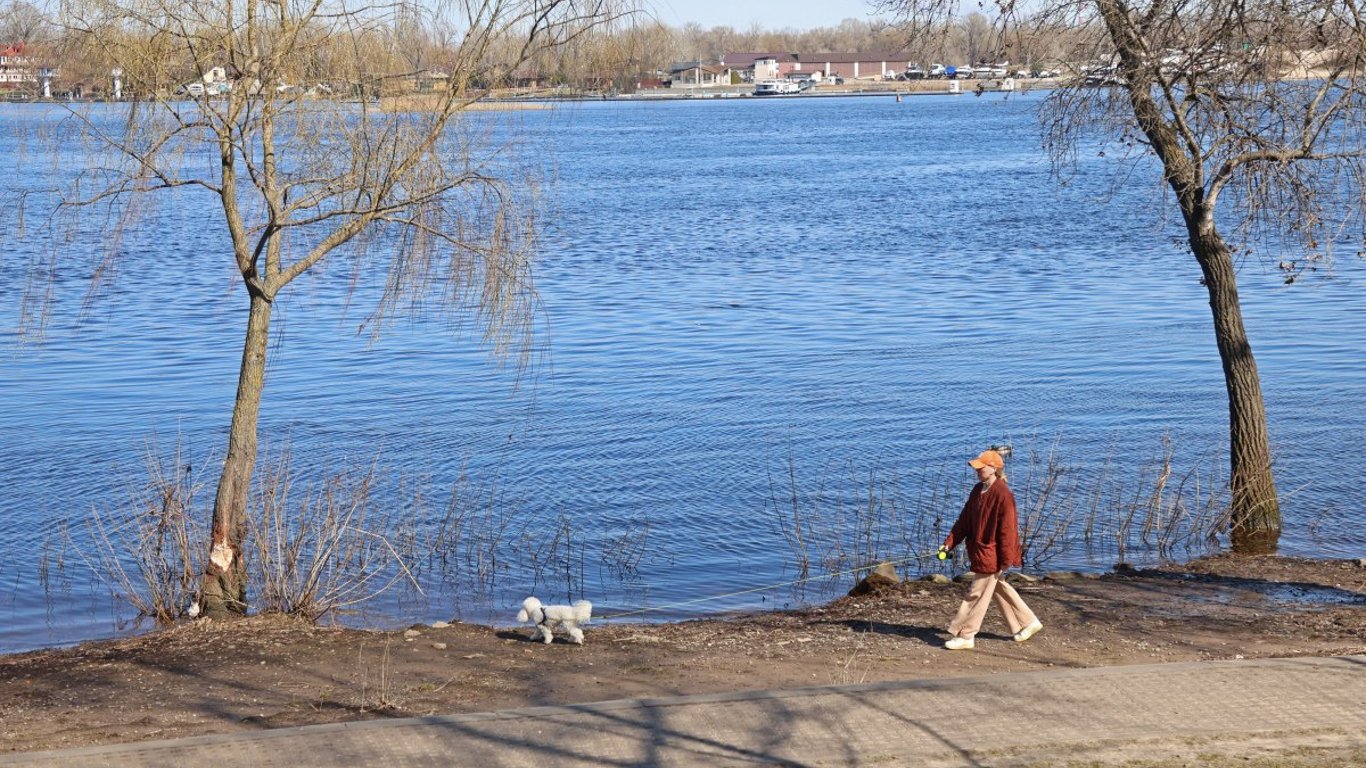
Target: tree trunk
1255	512
225	577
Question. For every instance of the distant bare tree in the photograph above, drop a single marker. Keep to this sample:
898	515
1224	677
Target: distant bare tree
852	35
1254	112
649	47
979	39
22	22
303	166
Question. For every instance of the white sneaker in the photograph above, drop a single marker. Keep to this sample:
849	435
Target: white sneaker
959	644
1028	632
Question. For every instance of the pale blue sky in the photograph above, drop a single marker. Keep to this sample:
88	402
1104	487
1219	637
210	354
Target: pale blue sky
770	14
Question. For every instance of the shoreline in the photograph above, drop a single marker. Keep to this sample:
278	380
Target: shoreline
118	629
543	98
727	93
269	671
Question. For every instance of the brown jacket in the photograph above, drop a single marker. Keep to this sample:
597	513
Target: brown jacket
989	529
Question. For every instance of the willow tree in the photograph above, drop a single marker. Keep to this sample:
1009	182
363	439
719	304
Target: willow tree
1253	110
302	163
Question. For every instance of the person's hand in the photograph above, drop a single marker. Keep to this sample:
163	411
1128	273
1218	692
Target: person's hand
943	553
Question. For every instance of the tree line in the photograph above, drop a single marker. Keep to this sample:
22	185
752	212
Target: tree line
392	49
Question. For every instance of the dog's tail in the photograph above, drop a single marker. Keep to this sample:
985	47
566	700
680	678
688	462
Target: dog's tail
583	610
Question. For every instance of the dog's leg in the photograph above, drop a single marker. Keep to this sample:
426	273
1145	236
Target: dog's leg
575	634
548	635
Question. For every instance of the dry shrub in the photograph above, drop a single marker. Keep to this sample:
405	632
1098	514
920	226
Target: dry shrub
327	551
1099	515
334	550
148	554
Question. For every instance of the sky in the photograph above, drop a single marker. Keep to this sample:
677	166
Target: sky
770	14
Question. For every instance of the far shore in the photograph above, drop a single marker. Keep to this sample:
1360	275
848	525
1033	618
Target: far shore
542	98
883	88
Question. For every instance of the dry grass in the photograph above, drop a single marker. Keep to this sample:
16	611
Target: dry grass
1144	511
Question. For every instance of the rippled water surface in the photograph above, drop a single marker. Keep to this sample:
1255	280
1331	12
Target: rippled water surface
730	291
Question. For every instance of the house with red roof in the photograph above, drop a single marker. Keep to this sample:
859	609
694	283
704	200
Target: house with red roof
16	67
758	66
856	66
776	66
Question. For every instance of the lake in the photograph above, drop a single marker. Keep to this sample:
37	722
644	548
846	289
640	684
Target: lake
844	298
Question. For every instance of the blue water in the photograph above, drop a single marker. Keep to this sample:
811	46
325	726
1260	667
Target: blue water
729	290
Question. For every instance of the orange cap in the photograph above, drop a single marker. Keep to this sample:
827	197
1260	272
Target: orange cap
987	459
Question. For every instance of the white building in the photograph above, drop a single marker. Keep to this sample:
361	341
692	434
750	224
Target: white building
16	68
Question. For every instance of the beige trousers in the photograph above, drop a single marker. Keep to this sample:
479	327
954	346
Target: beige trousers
974	607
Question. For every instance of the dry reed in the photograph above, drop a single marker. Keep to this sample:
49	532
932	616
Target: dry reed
1093	514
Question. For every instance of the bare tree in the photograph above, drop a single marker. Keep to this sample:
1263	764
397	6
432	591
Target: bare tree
978	38
1254	113
22	22
303	166
648	47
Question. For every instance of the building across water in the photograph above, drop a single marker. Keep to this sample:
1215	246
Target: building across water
16	68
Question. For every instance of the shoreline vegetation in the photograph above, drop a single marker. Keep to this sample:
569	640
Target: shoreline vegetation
366	538
541	98
531	99
1306	67
212	677
1313	68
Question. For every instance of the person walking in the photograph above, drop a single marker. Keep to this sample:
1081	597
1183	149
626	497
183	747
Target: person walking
989	530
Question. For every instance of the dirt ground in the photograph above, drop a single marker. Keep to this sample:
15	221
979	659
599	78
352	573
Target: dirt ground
257	673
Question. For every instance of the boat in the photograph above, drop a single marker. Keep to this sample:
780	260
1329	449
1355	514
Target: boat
776	88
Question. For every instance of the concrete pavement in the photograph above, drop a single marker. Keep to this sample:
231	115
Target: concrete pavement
1033	718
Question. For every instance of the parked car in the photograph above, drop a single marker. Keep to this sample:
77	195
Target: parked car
915	73
938	70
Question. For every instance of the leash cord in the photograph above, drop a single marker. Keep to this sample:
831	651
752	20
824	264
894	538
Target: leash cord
763	588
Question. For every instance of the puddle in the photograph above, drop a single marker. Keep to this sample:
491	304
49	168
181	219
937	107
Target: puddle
1306	594
1258	595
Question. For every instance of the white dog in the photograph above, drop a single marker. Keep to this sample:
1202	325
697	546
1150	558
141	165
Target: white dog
546	617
